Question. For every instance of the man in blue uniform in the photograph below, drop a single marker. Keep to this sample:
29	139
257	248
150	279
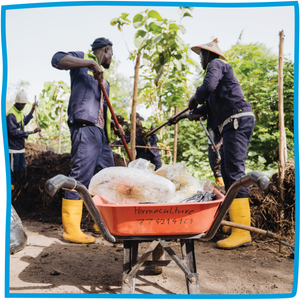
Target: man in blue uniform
89	120
16	122
231	116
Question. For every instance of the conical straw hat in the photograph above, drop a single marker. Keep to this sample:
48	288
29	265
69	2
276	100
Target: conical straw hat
212	46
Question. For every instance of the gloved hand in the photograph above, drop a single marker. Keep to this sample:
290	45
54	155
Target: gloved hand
172	120
193	117
193	103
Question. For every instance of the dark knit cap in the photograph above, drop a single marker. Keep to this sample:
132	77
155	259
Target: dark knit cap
100	43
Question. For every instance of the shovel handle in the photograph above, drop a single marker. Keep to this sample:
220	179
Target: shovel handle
164	124
114	117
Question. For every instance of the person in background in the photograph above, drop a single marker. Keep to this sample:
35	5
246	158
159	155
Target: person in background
222	100
89	120
16	122
150	153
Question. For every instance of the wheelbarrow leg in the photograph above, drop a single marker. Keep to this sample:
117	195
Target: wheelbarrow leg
188	255
130	253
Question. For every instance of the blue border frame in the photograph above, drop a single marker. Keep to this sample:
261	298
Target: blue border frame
5	8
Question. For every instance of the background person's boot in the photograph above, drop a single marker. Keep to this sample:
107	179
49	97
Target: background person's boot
219	181
158	254
239	212
71	219
96	231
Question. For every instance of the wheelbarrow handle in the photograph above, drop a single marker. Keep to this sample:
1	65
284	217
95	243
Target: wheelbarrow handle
61	181
255	177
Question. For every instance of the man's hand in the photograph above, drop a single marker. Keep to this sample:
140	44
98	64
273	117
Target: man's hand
34	105
119	131
38	129
193	103
172	120
98	71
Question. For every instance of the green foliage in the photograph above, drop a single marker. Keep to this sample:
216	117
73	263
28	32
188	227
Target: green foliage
53	96
165	61
256	68
120	89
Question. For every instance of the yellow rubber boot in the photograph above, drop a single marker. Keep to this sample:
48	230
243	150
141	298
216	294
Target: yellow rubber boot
71	218
239	212
96	230
219	181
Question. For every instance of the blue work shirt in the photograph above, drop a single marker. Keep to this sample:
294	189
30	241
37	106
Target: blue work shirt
228	98
85	95
15	128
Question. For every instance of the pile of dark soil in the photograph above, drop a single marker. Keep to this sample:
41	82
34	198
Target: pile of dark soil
268	212
30	199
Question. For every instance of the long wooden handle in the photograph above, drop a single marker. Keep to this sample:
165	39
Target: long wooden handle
114	117
257	230
164	124
36	117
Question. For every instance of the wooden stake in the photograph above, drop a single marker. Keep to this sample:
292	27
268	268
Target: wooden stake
175	139
134	103
282	136
60	123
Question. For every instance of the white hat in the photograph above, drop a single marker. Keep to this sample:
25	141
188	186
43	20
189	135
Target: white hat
21	97
212	46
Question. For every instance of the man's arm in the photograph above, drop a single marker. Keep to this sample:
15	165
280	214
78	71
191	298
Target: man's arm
66	61
14	131
212	78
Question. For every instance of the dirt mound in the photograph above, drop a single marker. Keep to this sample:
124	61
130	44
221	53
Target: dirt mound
34	150
268	212
30	197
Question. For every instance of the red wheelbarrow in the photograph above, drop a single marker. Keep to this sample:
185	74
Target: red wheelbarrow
158	223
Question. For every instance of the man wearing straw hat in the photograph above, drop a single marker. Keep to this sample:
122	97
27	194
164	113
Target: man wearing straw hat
230	116
89	120
16	122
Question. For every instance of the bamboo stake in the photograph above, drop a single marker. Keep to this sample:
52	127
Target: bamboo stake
134	103
282	139
60	123
175	139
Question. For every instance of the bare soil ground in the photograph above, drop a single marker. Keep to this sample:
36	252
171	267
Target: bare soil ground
50	265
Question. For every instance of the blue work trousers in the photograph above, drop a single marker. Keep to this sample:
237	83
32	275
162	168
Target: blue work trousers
17	165
90	153
234	151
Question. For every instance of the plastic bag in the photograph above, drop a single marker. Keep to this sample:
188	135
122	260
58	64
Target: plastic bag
121	185
186	185
142	164
18	237
200	197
